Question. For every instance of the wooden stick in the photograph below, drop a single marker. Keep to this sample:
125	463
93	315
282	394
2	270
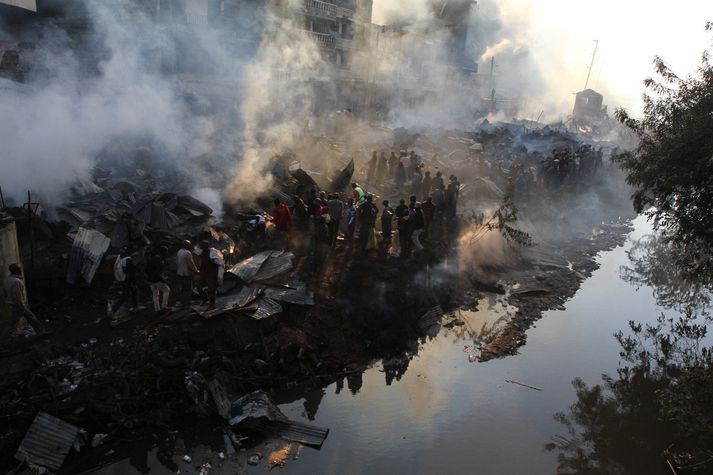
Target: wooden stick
523	384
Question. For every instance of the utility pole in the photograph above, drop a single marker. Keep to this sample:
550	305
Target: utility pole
589	73
30	214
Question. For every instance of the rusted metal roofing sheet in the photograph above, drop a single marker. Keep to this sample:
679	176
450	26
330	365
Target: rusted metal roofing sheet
47	441
87	252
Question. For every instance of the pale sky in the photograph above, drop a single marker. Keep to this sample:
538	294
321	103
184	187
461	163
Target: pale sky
630	32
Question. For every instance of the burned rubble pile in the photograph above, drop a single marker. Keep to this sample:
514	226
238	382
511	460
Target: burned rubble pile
278	320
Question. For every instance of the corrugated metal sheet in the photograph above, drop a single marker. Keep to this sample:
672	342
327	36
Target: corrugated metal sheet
293	292
278	263
247	268
47	441
294	431
87	252
266	307
231	302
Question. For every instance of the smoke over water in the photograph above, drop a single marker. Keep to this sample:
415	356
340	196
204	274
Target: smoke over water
217	101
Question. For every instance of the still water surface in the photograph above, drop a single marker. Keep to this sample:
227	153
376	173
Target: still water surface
448	415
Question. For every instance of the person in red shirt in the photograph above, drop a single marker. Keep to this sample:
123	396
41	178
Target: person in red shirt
282	217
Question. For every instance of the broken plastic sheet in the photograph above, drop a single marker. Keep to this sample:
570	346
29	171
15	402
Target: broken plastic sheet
88	249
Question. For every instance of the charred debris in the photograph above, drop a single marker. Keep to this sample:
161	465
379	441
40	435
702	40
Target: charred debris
278	321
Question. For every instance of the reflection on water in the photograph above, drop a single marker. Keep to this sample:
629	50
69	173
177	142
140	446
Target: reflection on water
655	263
431	411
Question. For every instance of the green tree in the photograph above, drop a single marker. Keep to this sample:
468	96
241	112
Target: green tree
672	167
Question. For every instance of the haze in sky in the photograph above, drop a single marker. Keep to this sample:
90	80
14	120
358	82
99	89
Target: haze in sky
559	35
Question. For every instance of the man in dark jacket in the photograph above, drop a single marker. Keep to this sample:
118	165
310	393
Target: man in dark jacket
366	215
403	226
428	209
387	217
336	209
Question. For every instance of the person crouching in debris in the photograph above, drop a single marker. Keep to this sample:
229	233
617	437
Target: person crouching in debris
17	298
155	269
282	219
211	266
186	269
387	217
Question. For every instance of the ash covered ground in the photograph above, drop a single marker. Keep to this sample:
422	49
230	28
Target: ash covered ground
533	206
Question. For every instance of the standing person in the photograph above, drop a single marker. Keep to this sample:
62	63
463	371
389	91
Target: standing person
351	221
437	181
400	175
211	266
381	169
393	163
336	209
282	219
387	218
17	298
439	202
372	169
428	209
358	194
155	269
365	216
313	202
416	180
320	244
412	163
300	214
417	224
402	226
125	272
186	269
426	185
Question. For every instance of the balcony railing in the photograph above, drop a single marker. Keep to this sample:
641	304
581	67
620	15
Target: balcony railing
321	9
323	40
326	10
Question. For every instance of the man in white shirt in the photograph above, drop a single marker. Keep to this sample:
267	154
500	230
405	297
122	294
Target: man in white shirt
17	298
186	269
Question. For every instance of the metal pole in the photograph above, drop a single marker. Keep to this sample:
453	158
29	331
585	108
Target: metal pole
596	45
2	198
31	230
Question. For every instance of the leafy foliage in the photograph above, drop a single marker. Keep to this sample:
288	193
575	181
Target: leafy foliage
502	220
672	167
656	416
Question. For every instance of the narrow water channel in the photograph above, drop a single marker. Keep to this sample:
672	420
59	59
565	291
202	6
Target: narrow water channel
445	414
